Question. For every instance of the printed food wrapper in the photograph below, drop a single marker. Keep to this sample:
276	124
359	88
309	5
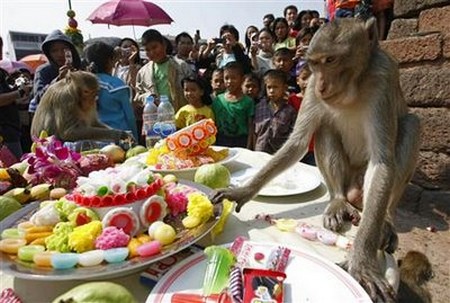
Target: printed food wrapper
259	256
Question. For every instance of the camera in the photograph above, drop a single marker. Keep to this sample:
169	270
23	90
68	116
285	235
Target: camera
218	40
126	51
68	56
20	82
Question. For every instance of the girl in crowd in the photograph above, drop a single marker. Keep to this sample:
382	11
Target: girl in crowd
250	33
114	100
262	52
197	95
129	62
282	38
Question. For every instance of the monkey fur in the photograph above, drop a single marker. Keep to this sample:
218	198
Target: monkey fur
415	272
365	140
68	110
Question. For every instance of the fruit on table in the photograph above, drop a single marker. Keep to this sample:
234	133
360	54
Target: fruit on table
26	253
115	152
134	151
8	206
19	194
40	192
57	193
170	178
100	292
213	175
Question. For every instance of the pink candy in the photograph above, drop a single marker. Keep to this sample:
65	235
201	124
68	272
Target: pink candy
149	249
112	237
307	231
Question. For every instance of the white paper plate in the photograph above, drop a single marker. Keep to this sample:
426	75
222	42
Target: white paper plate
296	180
310	278
142	158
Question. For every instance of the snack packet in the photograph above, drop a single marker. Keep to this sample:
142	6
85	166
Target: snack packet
263	285
259	256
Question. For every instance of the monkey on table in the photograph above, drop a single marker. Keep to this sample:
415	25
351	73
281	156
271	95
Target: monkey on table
366	142
68	110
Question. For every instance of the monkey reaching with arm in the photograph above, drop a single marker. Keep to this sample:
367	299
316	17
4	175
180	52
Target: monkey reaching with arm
366	142
68	110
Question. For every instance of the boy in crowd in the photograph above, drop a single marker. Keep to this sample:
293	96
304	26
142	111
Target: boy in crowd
162	74
283	60
217	84
274	116
234	110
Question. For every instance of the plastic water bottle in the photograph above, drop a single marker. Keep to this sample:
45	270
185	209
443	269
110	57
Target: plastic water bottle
166	117
149	119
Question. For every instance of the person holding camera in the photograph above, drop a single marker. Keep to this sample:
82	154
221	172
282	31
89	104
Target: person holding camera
62	56
128	63
261	52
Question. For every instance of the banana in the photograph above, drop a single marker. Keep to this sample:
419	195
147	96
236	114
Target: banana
40	192
20	194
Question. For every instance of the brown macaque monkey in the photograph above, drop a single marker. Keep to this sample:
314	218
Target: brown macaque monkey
366	142
68	110
415	272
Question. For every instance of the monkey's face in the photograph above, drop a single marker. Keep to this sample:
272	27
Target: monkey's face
338	55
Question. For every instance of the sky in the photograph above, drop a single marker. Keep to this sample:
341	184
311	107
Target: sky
43	16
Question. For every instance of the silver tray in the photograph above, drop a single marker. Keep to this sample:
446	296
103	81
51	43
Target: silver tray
13	266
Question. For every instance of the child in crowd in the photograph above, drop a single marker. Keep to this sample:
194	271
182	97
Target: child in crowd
296	100
114	99
197	94
252	87
282	38
217	84
274	116
162	74
234	110
283	60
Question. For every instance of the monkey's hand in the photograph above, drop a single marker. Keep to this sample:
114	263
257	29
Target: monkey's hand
240	195
370	278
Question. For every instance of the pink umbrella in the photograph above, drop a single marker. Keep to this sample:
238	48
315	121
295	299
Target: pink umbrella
13	66
129	12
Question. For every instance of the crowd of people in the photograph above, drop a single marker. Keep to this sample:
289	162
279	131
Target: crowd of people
252	90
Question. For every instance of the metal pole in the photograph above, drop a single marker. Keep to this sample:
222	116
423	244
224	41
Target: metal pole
70	4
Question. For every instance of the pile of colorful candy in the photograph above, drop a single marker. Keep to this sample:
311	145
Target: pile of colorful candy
61	234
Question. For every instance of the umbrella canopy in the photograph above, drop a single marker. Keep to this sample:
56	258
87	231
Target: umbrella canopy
13	66
34	60
129	12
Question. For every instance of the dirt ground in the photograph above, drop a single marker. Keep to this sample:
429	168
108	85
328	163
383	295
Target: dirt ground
414	234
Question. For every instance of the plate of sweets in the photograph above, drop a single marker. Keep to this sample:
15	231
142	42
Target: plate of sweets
116	221
187	149
248	271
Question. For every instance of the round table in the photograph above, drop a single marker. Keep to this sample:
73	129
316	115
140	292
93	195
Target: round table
307	207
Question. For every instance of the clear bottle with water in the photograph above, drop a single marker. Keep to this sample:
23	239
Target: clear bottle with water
149	119
166	117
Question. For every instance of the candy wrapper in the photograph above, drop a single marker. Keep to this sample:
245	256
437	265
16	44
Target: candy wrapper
263	285
256	255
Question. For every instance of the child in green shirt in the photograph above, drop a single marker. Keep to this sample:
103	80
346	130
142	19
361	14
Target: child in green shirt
234	110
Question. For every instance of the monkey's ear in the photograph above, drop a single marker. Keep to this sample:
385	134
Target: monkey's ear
371	28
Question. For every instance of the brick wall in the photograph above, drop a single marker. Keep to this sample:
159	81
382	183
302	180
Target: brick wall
419	38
